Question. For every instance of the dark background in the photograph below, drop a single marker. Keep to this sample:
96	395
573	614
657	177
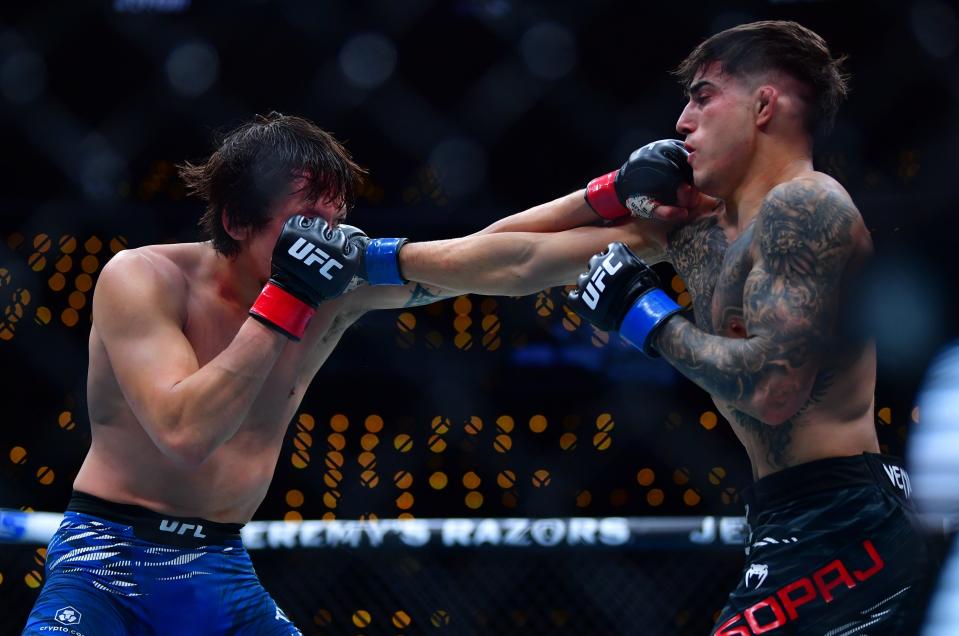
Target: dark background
463	112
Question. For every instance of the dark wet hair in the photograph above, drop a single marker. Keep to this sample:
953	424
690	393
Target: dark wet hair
781	46
254	164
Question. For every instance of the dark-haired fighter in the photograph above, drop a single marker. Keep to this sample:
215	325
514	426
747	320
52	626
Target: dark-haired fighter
832	548
200	354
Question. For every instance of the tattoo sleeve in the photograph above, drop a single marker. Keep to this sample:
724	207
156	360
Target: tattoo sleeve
802	243
697	249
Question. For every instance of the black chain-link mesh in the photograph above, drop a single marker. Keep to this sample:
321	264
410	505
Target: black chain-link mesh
485	591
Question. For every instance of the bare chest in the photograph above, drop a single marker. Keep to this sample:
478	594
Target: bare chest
211	329
714	262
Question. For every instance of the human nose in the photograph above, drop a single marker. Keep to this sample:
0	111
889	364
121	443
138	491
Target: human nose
685	124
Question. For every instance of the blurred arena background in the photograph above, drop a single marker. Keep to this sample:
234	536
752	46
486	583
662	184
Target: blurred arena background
474	408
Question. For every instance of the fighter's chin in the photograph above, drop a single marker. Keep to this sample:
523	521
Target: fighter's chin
703	183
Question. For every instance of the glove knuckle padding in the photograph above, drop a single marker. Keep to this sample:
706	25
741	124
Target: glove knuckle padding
311	260
621	292
614	280
656	171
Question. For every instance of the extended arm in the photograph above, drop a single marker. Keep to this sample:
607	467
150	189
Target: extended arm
503	264
646	186
541	247
520	263
804	238
187	410
561	214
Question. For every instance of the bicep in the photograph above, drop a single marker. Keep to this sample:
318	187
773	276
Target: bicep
561	214
141	332
791	296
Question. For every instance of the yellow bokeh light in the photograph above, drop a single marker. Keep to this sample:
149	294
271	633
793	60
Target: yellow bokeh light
541	478
77	300
373	423
294	498
471	480
336	441
369	441
57	282
403	479
83	283
438	480
404	501
462	305
89	264
537	423
403	443
708	420
339	423
401	619
18	455
474	500
361	618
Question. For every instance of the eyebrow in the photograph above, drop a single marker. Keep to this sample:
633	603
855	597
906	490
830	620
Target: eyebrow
695	86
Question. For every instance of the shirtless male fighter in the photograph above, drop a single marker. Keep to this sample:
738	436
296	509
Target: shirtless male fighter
832	549
198	364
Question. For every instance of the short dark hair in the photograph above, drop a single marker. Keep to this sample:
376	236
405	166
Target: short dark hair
781	46
255	163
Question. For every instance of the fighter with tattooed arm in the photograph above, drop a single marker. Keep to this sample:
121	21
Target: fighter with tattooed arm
832	546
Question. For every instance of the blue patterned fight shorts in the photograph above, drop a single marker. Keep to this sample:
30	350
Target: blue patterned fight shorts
120	569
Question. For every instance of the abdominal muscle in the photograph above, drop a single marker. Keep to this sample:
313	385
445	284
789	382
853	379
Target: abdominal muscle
124	466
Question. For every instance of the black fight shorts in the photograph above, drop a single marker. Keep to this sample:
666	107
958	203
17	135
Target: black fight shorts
833	550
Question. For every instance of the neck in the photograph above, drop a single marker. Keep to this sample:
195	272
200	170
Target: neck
236	280
768	170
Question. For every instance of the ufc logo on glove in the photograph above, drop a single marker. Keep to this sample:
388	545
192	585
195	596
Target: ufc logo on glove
303	250
596	285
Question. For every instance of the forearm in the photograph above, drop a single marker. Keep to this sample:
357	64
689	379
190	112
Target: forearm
493	264
210	405
735	370
558	215
520	263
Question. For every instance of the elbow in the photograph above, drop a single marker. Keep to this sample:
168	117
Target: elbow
185	450
523	276
184	432
186	455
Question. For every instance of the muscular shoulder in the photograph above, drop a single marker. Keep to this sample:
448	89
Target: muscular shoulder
151	277
807	222
814	192
156	265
